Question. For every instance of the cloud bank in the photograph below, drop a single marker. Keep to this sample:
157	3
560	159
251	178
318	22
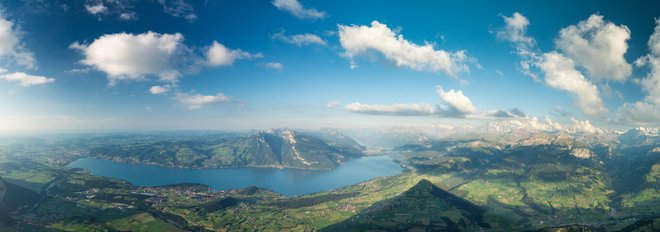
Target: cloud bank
453	104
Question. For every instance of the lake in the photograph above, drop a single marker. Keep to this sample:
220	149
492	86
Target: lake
289	182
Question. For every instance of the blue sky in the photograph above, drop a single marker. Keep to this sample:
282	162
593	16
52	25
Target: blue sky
233	65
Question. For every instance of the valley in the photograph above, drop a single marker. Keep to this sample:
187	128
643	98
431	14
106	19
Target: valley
526	180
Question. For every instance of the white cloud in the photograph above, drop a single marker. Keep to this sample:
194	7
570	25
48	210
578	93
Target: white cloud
651	84
11	49
97	8
123	9
552	124
299	39
128	16
273	65
639	113
196	101
456	102
179	9
511	113
296	9
581	127
599	46
394	109
156	89
24	79
515	31
560	73
647	111
378	37
125	56
219	55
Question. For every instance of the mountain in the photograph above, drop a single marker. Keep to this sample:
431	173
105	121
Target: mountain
391	137
424	207
511	176
279	148
526	177
13	198
641	136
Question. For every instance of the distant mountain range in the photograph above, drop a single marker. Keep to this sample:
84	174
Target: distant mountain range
536	175
502	176
278	148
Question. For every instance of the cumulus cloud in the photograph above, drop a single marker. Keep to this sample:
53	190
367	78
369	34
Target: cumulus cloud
24	79
575	126
219	55
582	127
156	89
646	111
12	51
560	73
394	109
552	124
599	46
651	83
299	39
296	9
125	56
515	31
457	103
273	65
559	70
196	101
360	39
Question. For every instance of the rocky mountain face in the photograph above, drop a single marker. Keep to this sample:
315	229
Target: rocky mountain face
279	148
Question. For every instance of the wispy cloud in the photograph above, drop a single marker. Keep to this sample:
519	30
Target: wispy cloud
179	8
299	39
294	8
196	101
24	79
273	65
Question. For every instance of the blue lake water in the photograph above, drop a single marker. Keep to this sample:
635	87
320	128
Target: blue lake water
289	182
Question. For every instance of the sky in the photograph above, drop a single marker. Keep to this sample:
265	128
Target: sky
233	65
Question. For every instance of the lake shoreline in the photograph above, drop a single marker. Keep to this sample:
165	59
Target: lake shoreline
285	181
